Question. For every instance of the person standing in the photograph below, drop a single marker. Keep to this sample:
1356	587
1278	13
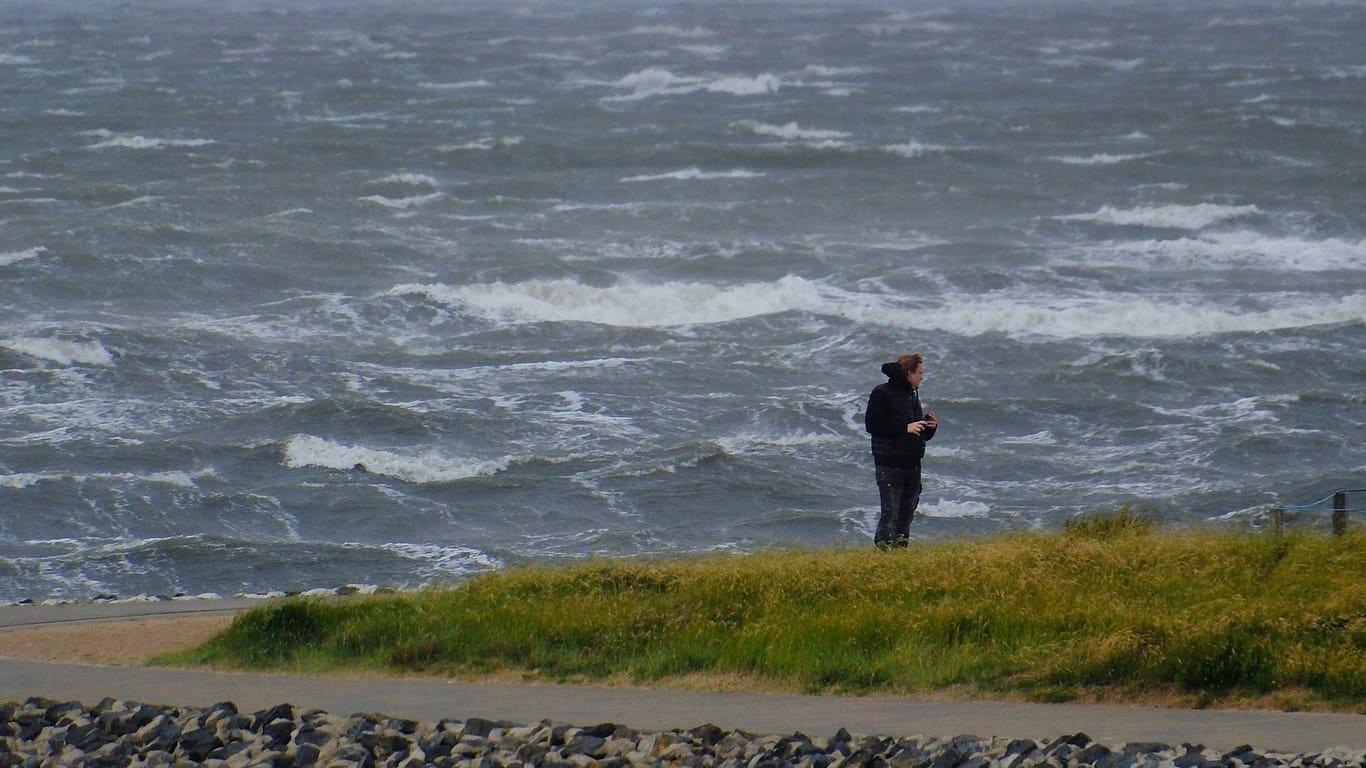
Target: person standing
899	427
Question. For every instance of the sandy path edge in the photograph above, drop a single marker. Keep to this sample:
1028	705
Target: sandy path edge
121	643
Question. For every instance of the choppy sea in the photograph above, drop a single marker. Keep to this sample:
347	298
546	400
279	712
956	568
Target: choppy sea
297	295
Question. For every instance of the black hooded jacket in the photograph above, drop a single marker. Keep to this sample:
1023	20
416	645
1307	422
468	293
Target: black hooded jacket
891	406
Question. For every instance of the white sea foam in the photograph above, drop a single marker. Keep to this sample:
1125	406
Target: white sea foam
8	259
1196	216
705	51
178	478
654	81
828	71
670	30
14	59
695	174
1238	250
460	86
411	179
1097	159
764	444
482	145
956	509
135	202
1345	73
61	351
30	201
403	203
143	142
444	558
744	86
793	132
21	480
912	149
1135	317
632	303
1043	437
428	467
1241	411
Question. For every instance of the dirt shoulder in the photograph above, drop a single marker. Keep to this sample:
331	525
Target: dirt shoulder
123	643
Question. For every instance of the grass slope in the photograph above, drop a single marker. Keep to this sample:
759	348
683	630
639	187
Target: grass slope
1104	611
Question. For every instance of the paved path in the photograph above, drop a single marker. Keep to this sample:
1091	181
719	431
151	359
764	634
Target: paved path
429	699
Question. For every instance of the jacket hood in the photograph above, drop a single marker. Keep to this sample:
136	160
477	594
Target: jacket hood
895	373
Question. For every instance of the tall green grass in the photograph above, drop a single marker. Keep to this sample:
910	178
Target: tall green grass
1106	608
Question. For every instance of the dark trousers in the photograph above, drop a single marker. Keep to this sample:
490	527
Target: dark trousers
899	491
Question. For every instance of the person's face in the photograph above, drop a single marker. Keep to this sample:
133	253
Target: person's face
915	376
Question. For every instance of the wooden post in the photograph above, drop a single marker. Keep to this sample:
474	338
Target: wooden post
1339	513
1277	517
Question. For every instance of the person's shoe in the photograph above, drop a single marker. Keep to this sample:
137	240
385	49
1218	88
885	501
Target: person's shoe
882	544
902	542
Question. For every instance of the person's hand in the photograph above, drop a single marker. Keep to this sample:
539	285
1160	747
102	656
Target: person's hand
915	427
931	420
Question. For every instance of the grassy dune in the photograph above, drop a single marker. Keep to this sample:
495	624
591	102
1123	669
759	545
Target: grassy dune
1108	610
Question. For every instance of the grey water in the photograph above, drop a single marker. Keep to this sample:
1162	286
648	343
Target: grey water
296	295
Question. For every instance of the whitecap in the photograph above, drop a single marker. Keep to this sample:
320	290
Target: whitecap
1043	437
142	142
1239	250
402	203
9	259
745	86
1136	317
460	86
177	478
141	200
446	558
695	174
912	149
827	71
1345	72
61	351
671	30
705	51
655	81
793	132
1196	216
30	201
631	303
428	467
1096	159
21	480
411	179
764	444
482	145
955	509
